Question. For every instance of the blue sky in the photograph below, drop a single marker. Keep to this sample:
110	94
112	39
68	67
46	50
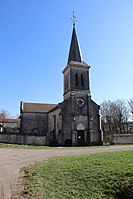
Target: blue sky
34	44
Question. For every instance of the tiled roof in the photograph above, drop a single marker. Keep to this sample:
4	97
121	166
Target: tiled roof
7	120
10	120
37	107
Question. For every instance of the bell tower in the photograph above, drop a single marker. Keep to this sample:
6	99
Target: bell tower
76	73
80	114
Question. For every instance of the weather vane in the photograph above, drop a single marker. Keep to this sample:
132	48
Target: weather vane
73	19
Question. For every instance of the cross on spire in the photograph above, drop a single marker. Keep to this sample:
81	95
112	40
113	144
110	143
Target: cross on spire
73	19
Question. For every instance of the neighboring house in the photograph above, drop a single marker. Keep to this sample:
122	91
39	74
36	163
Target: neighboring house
1	122
1	128
8	124
76	120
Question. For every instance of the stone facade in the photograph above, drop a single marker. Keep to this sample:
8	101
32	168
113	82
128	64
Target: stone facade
75	121
34	123
34	118
55	126
80	114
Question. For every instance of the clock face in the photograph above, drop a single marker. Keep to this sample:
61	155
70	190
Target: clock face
80	102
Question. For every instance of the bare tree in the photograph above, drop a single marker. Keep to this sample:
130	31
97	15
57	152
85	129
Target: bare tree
106	117
121	115
114	117
5	113
130	102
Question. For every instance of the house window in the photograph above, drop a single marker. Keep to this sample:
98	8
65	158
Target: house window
76	79
82	80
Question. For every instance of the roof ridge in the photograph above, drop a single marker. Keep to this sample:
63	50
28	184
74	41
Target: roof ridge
37	107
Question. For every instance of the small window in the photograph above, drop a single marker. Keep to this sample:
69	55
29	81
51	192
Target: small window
82	80
76	79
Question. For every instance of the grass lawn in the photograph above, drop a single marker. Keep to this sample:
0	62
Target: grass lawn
18	146
94	176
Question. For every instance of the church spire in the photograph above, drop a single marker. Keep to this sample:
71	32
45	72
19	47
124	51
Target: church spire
74	52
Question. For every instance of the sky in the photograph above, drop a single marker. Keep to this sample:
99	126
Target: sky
34	44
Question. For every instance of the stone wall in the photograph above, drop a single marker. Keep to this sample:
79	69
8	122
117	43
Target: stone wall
86	116
55	126
23	139
121	139
95	132
34	123
67	117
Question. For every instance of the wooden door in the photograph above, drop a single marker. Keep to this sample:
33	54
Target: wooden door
80	137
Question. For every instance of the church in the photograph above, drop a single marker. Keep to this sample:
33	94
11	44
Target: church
76	120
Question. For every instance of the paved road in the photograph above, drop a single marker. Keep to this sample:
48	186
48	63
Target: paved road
12	160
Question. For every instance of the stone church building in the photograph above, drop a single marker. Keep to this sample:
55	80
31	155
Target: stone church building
76	120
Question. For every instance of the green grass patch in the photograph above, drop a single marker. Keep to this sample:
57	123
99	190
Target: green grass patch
94	176
17	146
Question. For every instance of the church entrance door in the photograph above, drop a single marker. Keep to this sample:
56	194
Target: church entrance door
80	138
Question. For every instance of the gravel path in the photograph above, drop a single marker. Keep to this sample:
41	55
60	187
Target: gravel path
12	160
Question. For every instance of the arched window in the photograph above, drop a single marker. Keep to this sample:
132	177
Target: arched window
76	79
35	131
82	80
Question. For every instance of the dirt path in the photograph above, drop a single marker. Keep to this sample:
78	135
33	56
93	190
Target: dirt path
12	160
